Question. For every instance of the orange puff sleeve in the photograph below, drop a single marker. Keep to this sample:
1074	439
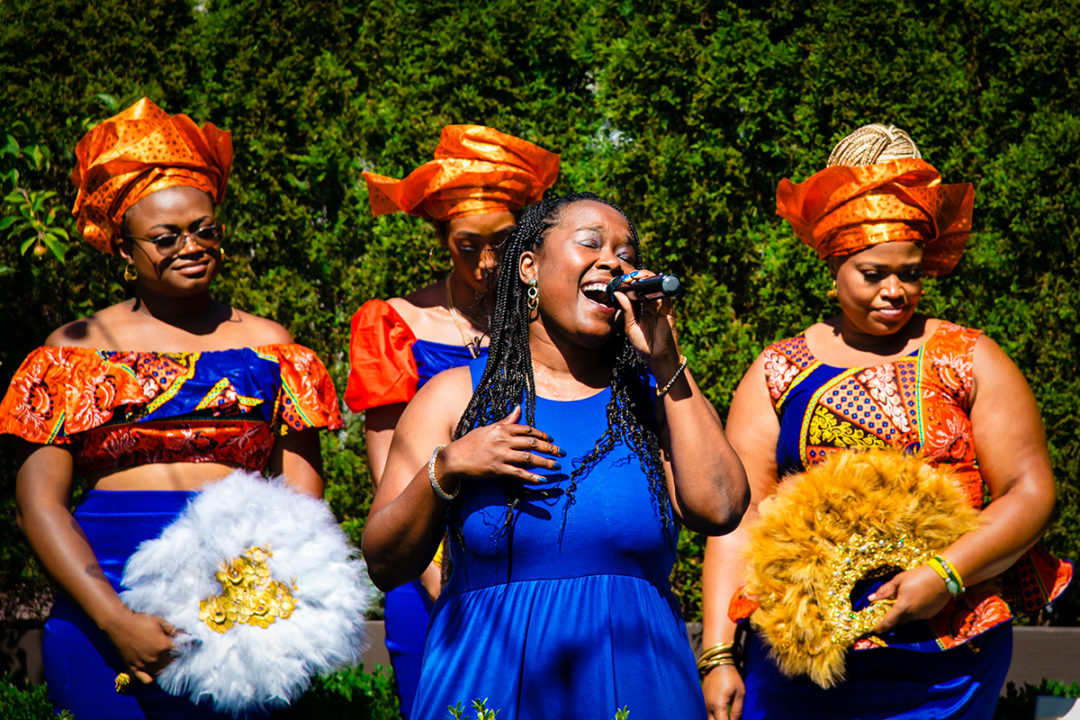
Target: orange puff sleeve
308	398
60	391
382	368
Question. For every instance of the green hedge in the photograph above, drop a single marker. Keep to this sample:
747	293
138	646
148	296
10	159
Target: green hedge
686	112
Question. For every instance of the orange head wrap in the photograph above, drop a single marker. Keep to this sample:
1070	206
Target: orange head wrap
476	170
843	209
138	152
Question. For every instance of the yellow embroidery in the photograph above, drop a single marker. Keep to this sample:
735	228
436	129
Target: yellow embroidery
220	388
827	429
249	594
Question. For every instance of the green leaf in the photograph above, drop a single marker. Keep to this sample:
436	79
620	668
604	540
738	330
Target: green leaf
11	147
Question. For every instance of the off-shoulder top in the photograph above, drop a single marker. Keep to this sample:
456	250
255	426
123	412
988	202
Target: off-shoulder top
388	364
918	403
125	408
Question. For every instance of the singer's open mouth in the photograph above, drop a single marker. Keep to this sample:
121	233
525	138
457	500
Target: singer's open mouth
597	292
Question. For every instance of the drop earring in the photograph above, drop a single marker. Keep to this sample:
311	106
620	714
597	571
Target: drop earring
532	296
130	273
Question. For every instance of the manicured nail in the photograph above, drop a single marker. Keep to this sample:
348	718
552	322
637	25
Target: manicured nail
556	466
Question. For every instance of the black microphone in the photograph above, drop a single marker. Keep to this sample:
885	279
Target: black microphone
663	283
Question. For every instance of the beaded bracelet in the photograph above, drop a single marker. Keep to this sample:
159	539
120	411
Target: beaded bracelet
661	392
947	572
434	481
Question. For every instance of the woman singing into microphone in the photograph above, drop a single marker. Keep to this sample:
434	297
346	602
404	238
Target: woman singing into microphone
472	192
561	467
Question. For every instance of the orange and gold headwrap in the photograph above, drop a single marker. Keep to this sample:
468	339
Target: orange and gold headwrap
138	152
843	209
476	170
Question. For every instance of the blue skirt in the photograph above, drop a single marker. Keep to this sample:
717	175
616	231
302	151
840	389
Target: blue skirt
81	664
408	612
962	683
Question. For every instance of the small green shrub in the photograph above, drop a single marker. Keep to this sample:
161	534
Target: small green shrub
351	694
21	700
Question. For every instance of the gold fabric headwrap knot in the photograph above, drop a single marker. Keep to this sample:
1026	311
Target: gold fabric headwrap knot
137	152
476	170
844	209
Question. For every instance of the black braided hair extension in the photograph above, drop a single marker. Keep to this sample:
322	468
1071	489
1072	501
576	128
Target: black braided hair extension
508	378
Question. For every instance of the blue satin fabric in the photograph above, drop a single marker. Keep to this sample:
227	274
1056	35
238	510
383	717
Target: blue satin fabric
562	616
958	684
81	664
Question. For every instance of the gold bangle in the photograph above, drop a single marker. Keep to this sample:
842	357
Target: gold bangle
122	681
705	668
717	649
716	655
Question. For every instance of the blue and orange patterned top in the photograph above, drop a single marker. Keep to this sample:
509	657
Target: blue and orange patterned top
918	403
388	364
125	408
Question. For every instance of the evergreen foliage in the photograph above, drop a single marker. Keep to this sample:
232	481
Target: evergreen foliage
687	113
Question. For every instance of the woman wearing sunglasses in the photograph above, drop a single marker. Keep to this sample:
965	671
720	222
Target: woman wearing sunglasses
147	401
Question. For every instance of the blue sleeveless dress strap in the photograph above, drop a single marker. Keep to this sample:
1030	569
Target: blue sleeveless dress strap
556	612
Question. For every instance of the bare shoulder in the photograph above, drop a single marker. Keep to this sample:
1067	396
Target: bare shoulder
98	330
440	402
413	307
256	330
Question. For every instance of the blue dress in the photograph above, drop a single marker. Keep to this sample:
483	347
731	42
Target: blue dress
387	366
561	616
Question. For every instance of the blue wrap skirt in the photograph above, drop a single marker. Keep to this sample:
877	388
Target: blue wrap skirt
81	664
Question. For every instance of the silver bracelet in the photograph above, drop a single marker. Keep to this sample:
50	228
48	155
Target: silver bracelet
434	482
661	392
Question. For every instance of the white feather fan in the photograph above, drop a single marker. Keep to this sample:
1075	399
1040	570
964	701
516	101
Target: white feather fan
248	667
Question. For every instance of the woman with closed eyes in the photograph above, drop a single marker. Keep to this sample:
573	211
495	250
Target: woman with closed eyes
560	467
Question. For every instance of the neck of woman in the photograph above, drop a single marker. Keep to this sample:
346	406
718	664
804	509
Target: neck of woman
473	307
889	344
192	313
565	369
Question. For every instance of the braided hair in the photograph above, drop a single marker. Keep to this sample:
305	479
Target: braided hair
508	378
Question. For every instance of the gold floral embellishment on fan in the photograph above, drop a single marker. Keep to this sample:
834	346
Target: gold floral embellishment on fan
249	596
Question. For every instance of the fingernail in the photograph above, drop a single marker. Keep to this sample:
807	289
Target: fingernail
561	452
556	466
537	478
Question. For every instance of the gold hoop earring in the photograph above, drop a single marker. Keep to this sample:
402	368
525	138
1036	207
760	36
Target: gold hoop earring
532	296
832	294
130	273
221	261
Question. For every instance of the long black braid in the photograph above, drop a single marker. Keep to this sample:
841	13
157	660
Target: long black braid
508	378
